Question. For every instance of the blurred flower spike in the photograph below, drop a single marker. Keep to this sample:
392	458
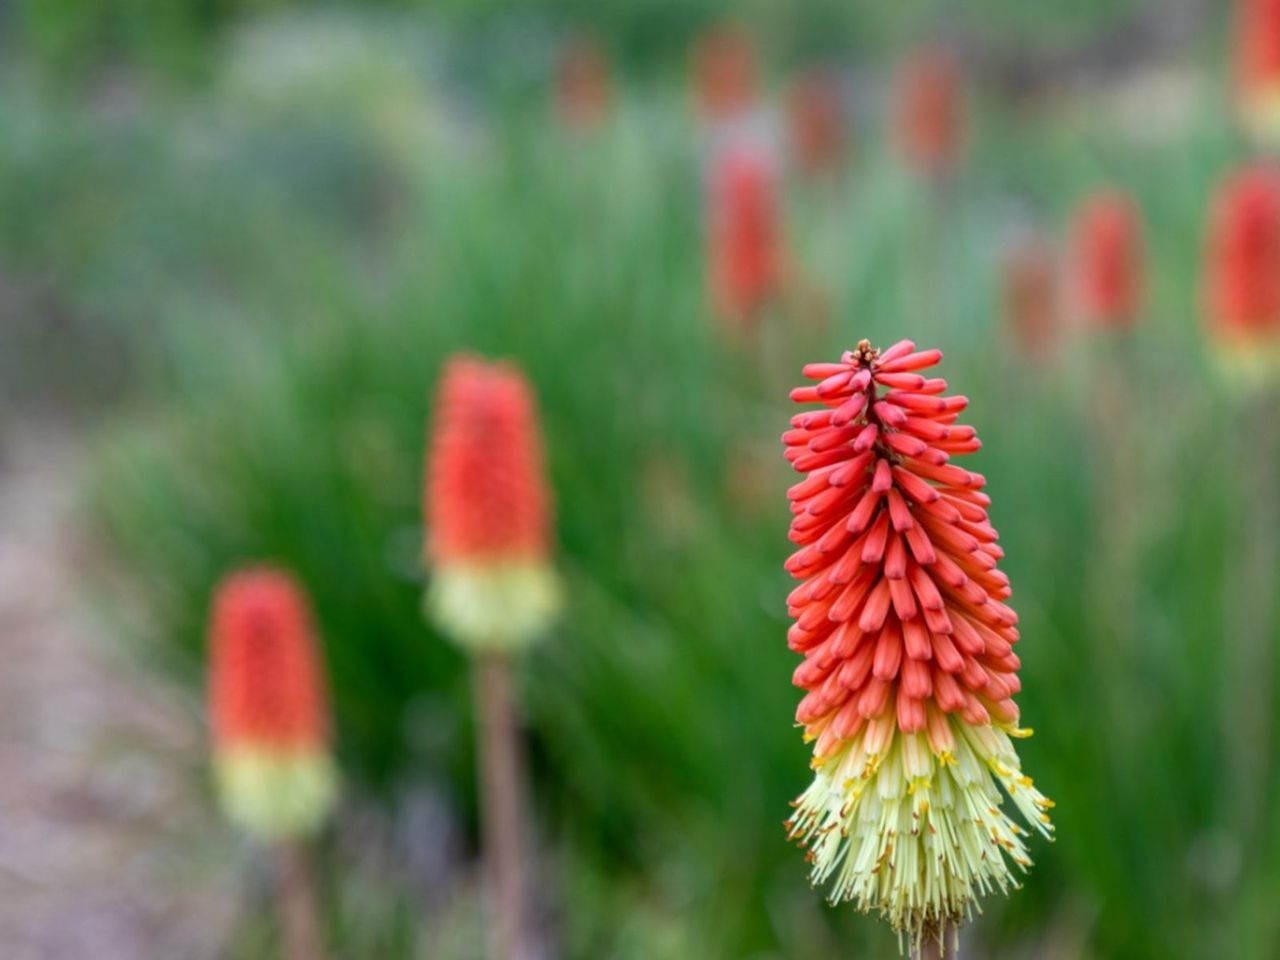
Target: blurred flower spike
725	74
1109	260
268	707
744	233
487	510
1242	277
817	125
1258	69
908	650
582	86
931	112
1029	294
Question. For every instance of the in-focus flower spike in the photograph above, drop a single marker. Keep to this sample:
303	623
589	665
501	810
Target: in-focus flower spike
268	707
487	510
1242	277
744	232
1258	68
930	111
1109	260
908	649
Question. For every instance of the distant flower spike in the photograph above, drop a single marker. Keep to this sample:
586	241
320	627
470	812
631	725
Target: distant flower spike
487	509
908	649
1258	68
817	125
1242	277
1029	288
930	111
1109	260
744	234
268	707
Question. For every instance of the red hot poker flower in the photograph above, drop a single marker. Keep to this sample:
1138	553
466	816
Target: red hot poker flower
487	508
1242	277
1243	256
1030	296
908	647
268	705
818	129
1109	260
725	73
1258	67
931	111
582	84
744	232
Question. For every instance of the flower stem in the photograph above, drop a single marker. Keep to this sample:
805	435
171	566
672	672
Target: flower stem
502	799
300	925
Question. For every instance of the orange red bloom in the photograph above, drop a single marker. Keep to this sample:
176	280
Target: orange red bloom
908	645
1108	258
487	507
744	232
931	111
268	704
582	88
725	73
1242	275
816	123
1029	280
1258	67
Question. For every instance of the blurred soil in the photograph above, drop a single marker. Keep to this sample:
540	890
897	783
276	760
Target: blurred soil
106	849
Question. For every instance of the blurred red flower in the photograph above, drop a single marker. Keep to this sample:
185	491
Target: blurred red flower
486	496
1242	270
582	87
816	123
744	232
1258	66
931	111
1029	294
487	508
265	683
268	707
725	73
1108	260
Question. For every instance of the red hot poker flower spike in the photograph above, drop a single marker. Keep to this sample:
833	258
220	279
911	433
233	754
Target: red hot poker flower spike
1242	275
1109	260
744	232
1029	281
931	111
1258	67
816	122
582	89
725	73
908	648
268	706
487	508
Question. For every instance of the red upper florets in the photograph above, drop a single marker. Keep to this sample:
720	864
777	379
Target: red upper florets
485	496
902	607
266	686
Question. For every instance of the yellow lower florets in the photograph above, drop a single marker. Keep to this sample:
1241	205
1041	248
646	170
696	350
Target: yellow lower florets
494	606
917	836
276	792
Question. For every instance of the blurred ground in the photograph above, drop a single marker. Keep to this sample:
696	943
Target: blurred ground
100	802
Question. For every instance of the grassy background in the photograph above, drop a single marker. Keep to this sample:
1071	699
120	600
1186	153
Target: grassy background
266	271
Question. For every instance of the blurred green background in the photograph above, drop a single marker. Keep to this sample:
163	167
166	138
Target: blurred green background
238	238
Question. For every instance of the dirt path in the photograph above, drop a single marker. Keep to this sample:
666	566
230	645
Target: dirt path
108	848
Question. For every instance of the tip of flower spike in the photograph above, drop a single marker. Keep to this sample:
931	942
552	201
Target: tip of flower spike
863	354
